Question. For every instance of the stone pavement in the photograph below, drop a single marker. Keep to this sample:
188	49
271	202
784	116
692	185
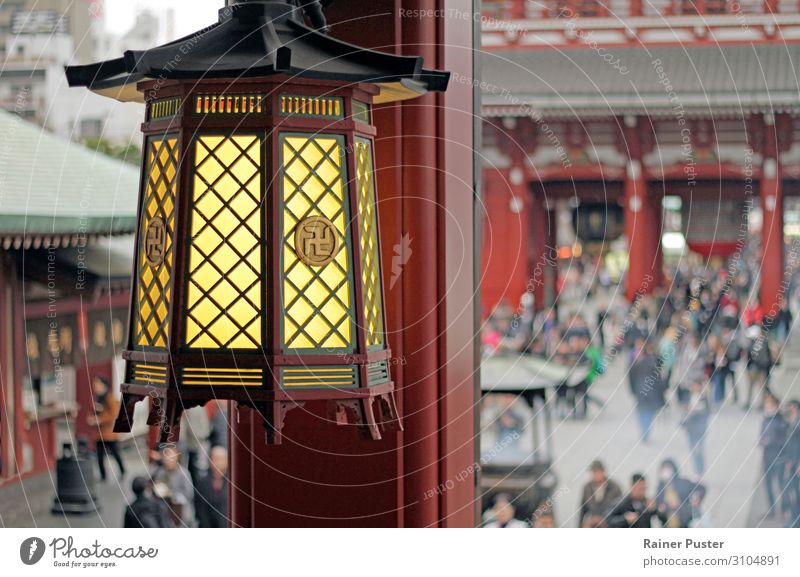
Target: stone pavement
735	495
28	503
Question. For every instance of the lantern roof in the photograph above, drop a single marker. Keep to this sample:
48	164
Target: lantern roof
258	39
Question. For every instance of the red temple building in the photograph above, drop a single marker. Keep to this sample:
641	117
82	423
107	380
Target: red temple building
67	214
428	184
611	106
606	107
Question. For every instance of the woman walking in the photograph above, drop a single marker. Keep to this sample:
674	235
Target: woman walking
106	409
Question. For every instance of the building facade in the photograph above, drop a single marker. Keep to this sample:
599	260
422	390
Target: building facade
37	39
67	215
618	108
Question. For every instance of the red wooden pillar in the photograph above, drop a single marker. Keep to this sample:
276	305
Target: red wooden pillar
544	254
323	475
420	291
19	351
551	270
771	7
772	243
642	221
508	226
657	231
516	9
459	393
6	380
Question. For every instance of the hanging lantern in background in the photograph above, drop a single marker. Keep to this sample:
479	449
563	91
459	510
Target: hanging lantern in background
258	271
714	227
598	222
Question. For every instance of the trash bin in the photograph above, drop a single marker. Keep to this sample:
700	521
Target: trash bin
75	482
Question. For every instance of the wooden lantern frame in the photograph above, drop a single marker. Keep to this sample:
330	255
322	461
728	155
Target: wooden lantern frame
173	111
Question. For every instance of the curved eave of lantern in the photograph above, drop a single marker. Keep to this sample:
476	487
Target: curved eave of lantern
257	40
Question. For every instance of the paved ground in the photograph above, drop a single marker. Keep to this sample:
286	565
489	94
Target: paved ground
28	504
735	495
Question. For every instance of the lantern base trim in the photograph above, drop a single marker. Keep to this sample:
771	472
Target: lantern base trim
124	422
371	410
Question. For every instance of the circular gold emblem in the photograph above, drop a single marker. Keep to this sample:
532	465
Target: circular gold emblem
316	241
155	241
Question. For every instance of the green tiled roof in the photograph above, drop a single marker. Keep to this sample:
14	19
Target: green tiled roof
50	186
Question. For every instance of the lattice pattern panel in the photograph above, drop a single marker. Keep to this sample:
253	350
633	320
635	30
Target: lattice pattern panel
317	301
370	255
154	287
224	297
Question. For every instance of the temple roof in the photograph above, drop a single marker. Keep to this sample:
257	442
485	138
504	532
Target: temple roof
259	39
580	81
54	189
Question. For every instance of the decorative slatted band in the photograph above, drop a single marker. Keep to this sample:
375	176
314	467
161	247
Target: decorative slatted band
205	377
361	112
378	373
165	108
229	104
312	106
147	374
319	377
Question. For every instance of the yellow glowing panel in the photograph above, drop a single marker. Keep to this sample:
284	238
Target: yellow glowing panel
224	304
370	256
153	287
317	301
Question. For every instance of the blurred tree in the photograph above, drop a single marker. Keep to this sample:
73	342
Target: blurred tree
126	152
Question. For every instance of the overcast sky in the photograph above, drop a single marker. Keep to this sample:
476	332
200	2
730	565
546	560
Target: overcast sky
190	15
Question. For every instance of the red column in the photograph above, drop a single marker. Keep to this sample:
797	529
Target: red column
643	230
6	384
771	7
516	10
458	343
772	243
642	222
420	290
325	475
544	257
551	271
507	250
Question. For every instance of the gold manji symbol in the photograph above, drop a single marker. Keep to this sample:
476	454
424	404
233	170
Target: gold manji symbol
316	241
155	241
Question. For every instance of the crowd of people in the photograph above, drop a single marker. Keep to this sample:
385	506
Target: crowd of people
187	484
678	501
702	343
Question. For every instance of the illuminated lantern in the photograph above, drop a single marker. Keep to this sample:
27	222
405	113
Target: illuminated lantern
258	271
